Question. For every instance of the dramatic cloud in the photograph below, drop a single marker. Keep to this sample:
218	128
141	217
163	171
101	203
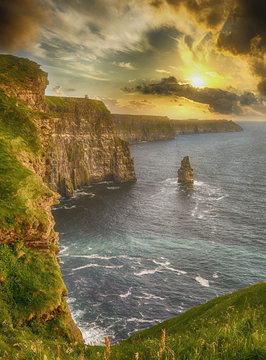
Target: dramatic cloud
208	12
219	101
20	22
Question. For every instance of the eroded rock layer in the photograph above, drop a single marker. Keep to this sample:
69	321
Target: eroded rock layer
84	148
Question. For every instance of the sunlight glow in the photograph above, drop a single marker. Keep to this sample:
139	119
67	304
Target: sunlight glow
197	82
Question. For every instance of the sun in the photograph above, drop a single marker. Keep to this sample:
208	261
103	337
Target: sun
197	82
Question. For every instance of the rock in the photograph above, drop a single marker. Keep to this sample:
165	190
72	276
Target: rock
185	173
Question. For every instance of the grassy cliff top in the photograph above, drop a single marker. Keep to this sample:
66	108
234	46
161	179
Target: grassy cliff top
18	71
69	104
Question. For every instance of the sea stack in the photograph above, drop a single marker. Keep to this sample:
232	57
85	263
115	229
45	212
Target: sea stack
185	173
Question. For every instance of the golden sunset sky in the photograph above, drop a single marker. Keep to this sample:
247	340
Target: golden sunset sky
180	58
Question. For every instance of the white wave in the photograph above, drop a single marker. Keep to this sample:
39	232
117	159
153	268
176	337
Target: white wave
180	272
220	198
166	267
65	207
143	320
94	256
63	249
202	281
127	294
151	296
215	276
113	187
162	264
198	183
97	265
71	300
94	335
148	272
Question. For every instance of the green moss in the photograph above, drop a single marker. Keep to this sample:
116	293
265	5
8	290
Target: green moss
16	71
20	189
16	121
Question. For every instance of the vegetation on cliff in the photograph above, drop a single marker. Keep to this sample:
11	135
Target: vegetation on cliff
21	189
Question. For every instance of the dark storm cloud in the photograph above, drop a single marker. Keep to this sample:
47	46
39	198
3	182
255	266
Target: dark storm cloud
247	99
244	33
209	12
163	38
20	22
245	30
219	101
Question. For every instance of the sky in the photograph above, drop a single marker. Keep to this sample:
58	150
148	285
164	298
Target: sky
201	59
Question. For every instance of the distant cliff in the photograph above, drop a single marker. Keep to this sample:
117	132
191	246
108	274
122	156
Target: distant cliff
183	127
135	128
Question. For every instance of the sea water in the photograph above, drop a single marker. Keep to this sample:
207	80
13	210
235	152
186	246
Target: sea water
136	254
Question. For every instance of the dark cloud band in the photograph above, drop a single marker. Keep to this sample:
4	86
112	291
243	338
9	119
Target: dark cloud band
219	101
20	22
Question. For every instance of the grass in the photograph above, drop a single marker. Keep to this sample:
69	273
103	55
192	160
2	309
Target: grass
16	71
34	318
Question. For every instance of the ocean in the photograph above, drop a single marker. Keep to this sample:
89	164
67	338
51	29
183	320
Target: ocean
136	254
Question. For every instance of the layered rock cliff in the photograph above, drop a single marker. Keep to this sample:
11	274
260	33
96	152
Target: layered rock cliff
84	148
135	128
45	147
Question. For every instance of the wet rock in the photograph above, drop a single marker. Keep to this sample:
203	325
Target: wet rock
185	172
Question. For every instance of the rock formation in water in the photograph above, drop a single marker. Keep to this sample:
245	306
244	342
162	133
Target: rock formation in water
185	172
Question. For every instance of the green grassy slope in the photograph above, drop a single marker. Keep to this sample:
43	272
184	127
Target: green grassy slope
227	327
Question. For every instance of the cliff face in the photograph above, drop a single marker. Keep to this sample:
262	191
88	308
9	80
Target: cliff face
183	127
32	292
58	146
135	128
84	148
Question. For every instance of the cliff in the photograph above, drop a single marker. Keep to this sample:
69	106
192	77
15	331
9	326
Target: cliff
46	145
193	126
84	148
135	128
32	292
